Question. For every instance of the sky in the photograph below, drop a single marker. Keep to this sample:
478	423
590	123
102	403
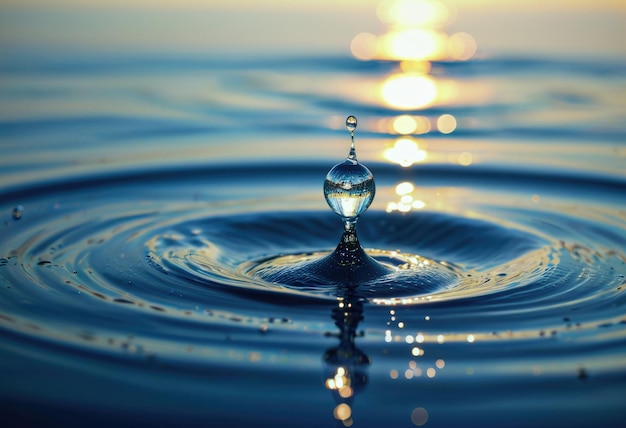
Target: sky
548	27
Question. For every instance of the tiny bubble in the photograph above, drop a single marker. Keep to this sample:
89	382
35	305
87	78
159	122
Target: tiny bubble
18	211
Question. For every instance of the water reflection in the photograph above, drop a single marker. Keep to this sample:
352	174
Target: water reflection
408	91
415	33
415	39
345	366
405	152
407	201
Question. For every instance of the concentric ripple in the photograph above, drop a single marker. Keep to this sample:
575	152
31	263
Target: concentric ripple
180	281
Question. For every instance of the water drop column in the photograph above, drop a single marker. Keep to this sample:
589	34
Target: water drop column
349	190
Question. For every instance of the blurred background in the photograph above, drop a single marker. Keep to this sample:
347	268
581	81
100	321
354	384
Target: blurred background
125	84
555	27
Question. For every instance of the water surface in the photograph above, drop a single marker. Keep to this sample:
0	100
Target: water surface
152	188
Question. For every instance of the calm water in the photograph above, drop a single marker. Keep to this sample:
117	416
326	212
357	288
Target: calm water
142	198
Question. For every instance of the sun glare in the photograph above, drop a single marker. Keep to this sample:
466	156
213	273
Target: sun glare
407	92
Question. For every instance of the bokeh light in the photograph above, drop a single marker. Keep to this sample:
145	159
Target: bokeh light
404	124
363	46
465	158
419	416
446	123
342	412
461	47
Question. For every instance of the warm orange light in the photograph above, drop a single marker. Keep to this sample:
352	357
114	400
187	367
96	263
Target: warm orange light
404	188
446	123
415	67
363	46
345	392
465	159
461	46
414	35
413	12
405	152
414	44
408	92
404	124
423	125
342	412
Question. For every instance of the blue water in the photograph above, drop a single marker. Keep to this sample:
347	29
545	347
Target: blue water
158	194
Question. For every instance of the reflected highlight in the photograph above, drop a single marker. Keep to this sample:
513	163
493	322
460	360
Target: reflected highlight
414	44
405	152
407	92
414	34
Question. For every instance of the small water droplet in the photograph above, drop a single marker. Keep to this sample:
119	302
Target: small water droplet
351	123
18	211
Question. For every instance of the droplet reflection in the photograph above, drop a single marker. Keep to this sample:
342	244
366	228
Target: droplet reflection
346	365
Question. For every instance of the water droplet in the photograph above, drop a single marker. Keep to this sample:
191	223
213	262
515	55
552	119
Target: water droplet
351	123
349	190
17	212
349	187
